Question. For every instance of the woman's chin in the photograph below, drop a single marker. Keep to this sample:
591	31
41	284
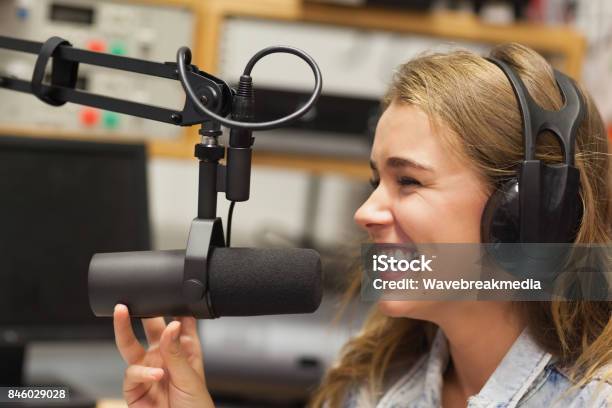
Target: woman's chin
416	309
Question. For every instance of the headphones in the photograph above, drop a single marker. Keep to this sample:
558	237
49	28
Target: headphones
542	203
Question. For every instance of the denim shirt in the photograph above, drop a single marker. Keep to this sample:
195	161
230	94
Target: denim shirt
527	377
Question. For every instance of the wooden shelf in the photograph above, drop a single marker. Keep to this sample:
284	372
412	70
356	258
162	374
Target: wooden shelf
356	169
466	26
353	168
559	40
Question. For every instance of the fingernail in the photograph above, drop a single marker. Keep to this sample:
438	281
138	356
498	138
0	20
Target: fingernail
177	332
175	345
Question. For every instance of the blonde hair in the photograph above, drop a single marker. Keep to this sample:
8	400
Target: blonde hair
472	98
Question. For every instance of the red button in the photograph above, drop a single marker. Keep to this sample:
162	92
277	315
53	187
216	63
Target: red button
89	116
96	45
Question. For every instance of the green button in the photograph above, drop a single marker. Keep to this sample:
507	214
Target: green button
117	48
110	120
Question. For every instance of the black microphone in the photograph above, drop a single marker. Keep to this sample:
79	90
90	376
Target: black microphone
238	282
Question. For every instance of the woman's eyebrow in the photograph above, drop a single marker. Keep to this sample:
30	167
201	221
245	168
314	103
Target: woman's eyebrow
398	162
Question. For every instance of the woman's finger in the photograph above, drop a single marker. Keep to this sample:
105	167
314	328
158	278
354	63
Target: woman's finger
193	353
138	374
129	347
181	373
189	336
153	327
138	380
190	341
189	325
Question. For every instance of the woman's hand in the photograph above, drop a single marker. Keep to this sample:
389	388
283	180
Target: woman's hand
170	373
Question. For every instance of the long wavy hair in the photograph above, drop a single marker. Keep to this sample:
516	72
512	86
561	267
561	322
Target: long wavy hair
472	98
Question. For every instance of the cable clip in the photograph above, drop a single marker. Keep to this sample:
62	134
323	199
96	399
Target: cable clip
63	73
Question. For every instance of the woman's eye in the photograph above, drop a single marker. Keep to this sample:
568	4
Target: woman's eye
402	181
407	181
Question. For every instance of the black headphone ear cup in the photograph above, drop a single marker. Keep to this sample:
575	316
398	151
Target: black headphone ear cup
500	218
561	203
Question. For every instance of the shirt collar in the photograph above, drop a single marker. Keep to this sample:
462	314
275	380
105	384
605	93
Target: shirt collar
519	368
511	379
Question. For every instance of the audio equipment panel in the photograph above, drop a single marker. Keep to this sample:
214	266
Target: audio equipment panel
138	30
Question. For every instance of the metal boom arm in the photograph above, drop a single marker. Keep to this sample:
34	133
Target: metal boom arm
216	93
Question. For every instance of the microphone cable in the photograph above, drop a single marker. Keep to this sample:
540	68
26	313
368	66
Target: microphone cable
230	213
183	58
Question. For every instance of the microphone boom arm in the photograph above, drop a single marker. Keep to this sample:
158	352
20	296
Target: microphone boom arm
214	90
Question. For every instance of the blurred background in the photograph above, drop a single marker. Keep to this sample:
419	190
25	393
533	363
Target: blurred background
133	184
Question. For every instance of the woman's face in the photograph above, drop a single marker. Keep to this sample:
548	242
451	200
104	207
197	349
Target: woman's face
423	193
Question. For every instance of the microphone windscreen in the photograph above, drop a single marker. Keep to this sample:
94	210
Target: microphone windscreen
264	281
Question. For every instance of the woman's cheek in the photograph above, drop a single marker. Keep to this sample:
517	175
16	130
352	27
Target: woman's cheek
419	221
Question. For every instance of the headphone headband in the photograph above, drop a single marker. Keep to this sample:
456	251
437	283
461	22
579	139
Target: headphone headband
563	123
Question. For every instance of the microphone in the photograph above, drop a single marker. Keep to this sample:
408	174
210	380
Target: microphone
236	282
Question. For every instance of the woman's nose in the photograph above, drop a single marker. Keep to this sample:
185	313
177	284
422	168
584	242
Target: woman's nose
374	214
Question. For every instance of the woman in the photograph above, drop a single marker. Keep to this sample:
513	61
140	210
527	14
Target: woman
450	133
